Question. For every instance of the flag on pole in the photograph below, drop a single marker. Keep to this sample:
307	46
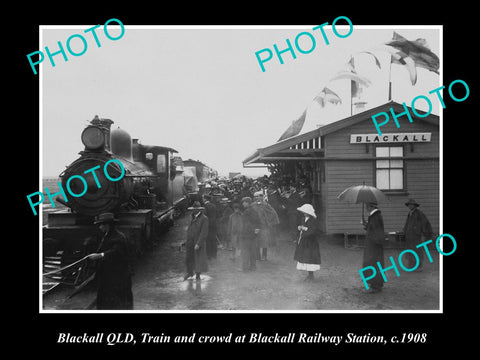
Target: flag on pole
412	54
354	89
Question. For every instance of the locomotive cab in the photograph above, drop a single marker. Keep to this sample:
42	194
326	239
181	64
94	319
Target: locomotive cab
157	159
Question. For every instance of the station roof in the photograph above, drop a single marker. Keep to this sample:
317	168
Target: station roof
291	147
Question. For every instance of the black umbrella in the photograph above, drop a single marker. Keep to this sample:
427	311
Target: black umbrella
362	194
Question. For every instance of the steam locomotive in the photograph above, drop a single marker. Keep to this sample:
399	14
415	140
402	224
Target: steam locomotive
145	201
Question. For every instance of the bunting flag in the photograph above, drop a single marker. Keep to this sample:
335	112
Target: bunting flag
352	75
327	95
408	63
295	128
351	63
354	88
377	62
361	80
412	54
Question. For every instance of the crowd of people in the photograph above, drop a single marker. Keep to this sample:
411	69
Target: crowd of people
283	194
249	215
246	217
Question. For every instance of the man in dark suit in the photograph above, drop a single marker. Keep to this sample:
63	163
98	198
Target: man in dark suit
114	284
248	238
374	239
417	230
211	213
196	254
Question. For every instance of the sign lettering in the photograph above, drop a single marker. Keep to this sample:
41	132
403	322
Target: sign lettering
390	138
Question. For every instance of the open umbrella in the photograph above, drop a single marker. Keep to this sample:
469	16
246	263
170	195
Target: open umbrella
362	194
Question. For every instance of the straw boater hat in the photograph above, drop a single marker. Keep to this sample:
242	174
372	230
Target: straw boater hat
196	206
105	218
307	209
412	202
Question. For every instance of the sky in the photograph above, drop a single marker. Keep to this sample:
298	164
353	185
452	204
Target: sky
201	91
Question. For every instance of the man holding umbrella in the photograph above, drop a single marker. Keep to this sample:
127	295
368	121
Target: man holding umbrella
374	239
375	232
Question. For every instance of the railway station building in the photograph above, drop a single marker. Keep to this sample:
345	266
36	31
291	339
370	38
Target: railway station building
404	163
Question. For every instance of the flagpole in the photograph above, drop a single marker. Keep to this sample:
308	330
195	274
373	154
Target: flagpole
351	88
390	81
390	74
351	98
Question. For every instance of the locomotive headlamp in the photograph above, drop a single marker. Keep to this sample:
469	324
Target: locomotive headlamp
93	138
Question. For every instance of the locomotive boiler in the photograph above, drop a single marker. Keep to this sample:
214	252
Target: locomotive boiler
145	200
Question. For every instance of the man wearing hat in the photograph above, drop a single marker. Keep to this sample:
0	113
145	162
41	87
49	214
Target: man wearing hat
374	239
211	214
268	219
417	229
114	284
223	214
234	229
244	191
250	230
197	232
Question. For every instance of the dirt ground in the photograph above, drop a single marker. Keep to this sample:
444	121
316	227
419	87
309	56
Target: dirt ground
276	284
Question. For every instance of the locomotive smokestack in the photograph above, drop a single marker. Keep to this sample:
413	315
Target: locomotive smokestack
105	125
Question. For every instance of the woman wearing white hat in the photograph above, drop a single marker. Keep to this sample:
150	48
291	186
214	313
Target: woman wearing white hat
307	252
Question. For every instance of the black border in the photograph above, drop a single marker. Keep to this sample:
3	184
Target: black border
450	329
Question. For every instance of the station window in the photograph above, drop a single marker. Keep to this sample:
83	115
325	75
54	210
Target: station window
389	171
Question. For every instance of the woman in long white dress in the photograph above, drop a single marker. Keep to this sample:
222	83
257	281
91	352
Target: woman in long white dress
307	251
